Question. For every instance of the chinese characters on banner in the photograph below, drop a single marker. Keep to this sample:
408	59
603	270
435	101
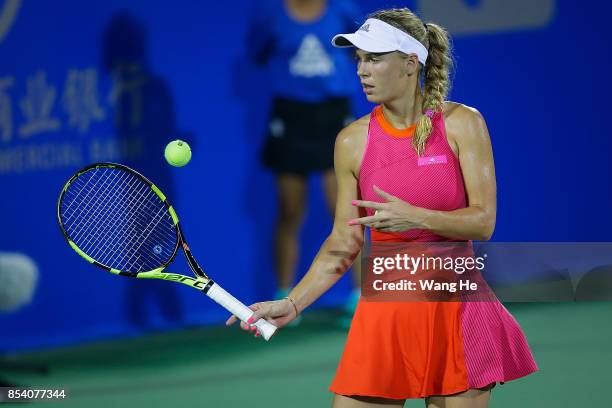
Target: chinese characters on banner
36	106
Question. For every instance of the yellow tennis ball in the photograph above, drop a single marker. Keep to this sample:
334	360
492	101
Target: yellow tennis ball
177	153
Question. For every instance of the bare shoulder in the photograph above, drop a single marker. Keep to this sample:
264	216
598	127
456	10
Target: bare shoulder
351	142
465	126
457	112
355	130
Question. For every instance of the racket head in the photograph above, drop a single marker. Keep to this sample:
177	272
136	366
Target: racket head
117	219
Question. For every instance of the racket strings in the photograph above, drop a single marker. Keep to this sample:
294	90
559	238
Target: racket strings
147	230
128	231
120	210
119	235
83	203
159	216
93	212
134	182
110	224
90	213
83	188
117	219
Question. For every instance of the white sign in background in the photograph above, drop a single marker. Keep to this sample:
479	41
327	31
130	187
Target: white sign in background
487	16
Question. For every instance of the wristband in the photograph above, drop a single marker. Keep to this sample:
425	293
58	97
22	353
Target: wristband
294	306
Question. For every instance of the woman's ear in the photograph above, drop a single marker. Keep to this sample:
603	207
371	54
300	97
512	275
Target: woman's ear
411	64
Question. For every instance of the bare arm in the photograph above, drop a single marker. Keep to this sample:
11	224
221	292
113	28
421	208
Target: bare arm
341	246
344	242
477	220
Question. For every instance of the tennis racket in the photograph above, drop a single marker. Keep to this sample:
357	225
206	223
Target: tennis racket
118	220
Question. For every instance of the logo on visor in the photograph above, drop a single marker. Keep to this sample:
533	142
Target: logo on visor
365	27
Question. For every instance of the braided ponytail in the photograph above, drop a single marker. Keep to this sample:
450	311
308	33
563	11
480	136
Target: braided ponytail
436	73
436	82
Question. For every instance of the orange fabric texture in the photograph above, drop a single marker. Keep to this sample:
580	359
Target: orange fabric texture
418	345
402	350
389	128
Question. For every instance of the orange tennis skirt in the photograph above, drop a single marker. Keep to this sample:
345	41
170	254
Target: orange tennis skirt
401	350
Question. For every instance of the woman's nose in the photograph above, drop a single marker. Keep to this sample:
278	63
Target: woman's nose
361	70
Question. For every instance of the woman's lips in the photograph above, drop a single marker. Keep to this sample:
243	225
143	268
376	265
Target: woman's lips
367	88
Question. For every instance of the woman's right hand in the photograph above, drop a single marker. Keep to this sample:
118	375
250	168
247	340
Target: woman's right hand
278	312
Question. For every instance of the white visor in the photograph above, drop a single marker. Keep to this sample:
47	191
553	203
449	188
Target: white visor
377	36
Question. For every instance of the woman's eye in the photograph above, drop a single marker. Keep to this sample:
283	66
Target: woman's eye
357	59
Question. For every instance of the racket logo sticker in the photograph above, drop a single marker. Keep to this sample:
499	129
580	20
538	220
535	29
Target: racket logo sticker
196	283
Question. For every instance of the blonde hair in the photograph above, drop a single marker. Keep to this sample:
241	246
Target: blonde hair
436	74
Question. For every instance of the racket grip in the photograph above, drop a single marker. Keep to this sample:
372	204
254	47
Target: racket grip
235	307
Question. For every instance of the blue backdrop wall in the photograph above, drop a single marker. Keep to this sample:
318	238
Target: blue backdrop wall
537	70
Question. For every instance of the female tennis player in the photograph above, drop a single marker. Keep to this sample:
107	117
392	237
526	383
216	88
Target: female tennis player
422	167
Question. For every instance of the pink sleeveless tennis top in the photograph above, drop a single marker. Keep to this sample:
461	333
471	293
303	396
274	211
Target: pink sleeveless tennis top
416	349
432	181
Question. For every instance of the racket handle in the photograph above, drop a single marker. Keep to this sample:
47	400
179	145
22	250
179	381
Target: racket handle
235	307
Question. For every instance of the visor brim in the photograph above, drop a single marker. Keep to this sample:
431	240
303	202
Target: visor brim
362	42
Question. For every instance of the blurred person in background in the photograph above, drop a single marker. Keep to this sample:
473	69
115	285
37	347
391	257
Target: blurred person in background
144	121
311	85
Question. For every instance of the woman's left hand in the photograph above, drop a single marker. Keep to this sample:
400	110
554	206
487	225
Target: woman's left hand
394	215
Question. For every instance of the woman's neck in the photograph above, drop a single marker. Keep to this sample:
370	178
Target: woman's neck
404	112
